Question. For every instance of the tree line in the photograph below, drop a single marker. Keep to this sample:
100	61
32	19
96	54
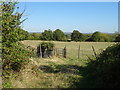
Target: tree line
59	35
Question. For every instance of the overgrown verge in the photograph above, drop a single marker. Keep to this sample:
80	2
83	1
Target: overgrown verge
103	71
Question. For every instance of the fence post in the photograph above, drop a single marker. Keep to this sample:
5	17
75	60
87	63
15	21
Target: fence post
64	54
54	51
79	52
40	52
94	51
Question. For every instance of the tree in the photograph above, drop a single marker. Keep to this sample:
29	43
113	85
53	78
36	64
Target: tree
68	36
47	35
117	39
96	36
105	37
77	36
35	36
100	37
23	35
58	35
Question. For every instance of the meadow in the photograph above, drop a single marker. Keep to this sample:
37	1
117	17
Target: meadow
57	72
72	47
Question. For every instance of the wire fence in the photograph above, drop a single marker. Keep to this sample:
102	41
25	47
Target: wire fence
81	53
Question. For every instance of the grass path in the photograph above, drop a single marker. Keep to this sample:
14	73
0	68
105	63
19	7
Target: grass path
48	73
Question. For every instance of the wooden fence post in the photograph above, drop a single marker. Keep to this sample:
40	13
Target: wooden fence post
54	51
40	52
94	51
79	52
64	54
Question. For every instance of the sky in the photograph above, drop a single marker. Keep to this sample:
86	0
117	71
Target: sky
68	0
87	17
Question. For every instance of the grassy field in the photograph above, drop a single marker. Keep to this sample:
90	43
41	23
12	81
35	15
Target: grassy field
72	47
57	72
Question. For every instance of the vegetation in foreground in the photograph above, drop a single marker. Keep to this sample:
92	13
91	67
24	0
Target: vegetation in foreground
103	71
48	73
100	72
14	54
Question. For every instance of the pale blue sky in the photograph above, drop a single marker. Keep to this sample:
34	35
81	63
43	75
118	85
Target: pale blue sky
68	0
87	17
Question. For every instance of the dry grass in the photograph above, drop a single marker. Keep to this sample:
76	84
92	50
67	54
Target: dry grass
72	47
33	77
56	72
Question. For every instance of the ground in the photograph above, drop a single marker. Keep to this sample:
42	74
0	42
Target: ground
57	72
47	73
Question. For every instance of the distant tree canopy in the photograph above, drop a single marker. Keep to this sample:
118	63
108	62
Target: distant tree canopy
105	37
24	35
117	39
35	36
99	37
47	35
58	35
77	36
95	36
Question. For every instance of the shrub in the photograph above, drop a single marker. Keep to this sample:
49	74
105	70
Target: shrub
105	69
14	54
15	57
117	39
45	47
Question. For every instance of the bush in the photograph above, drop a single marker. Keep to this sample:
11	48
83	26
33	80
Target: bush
14	54
46	48
105	69
15	57
117	39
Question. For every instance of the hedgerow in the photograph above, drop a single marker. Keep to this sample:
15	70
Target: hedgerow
105	69
14	54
